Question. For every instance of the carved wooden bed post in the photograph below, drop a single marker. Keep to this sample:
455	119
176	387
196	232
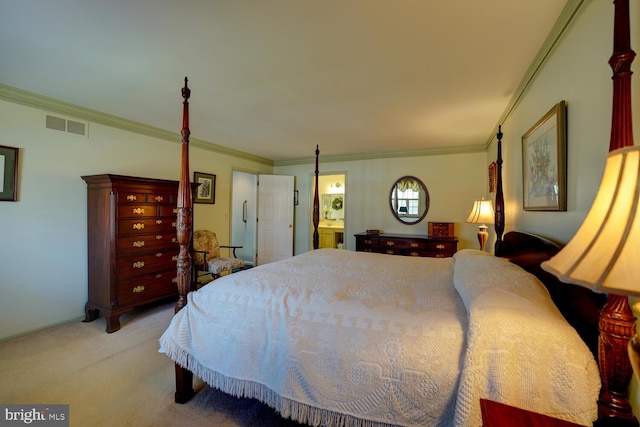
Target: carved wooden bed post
499	208
316	206
185	208
184	378
617	323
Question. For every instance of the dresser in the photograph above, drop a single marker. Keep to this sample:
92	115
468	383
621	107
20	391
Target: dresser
407	244
132	244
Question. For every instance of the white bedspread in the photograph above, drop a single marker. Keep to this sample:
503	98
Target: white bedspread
336	338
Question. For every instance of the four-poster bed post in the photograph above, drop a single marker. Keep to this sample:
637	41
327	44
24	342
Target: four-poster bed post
316	206
185	207
184	377
617	323
499	206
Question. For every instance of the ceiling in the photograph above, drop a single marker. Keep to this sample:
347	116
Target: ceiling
274	78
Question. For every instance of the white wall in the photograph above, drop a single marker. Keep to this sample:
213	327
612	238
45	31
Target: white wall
454	181
43	243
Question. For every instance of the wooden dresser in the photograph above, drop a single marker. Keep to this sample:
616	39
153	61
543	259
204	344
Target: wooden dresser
132	244
407	244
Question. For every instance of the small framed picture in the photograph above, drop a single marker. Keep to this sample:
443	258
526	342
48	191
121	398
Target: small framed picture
8	174
206	191
544	162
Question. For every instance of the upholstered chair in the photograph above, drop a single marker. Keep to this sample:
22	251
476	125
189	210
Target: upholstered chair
207	259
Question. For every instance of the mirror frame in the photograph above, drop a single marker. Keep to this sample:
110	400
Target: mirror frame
391	204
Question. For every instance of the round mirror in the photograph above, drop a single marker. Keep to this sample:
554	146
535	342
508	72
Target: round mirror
409	200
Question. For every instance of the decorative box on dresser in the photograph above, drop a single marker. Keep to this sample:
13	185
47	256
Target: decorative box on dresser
132	244
407	244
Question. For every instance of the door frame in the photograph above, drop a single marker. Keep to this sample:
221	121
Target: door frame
324	179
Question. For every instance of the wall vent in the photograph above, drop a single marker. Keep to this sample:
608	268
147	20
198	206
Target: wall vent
66	125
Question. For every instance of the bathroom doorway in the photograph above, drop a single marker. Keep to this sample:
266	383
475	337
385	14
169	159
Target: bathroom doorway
332	198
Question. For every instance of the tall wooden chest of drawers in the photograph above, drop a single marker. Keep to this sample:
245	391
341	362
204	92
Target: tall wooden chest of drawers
132	244
407	244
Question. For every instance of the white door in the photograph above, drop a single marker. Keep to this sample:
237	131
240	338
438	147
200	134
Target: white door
275	218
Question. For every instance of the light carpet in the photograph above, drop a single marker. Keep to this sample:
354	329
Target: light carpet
116	379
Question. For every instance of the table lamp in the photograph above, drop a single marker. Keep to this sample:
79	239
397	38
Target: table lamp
482	213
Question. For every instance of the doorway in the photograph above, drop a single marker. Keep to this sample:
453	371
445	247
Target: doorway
332	197
244	208
262	217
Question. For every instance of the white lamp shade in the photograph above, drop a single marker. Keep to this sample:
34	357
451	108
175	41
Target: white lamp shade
482	212
603	255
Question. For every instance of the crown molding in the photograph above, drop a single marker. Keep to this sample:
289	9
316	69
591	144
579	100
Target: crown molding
35	100
461	149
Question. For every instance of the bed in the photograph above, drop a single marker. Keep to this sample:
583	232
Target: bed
342	338
335	337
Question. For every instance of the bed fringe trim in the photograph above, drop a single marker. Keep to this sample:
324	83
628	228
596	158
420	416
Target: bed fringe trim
287	408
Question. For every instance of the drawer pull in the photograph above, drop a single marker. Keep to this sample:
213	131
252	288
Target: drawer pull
159	255
440	246
390	243
174	240
174	224
158	221
138	289
390	252
414	245
175	210
159	237
367	242
131	197
138	211
174	258
138	264
138	244
138	226
415	254
174	280
158	276
159	198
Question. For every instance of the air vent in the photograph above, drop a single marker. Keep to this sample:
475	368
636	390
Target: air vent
56	123
78	128
66	125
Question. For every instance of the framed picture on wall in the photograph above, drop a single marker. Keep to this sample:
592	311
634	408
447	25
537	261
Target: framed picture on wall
8	173
544	162
206	191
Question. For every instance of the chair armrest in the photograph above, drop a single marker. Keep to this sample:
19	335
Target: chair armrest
204	259
234	249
